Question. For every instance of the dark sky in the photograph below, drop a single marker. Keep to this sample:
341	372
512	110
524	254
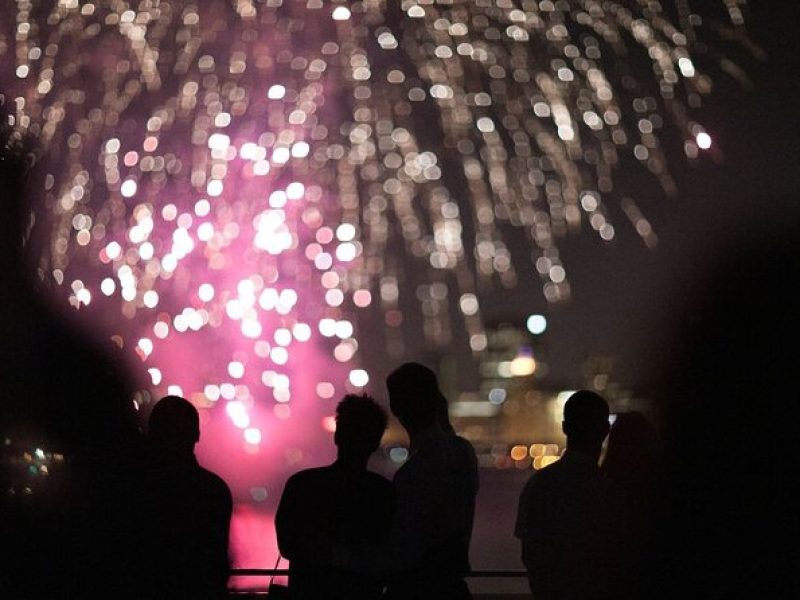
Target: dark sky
623	294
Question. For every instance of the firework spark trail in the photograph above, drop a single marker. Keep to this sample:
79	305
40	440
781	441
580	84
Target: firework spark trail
229	183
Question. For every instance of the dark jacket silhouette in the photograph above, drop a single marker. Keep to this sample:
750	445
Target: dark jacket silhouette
342	504
568	521
66	395
187	510
729	527
428	554
632	462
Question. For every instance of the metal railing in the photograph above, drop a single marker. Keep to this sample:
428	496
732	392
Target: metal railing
285	572
473	575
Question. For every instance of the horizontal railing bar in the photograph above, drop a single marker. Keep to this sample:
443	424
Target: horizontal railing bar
258	572
498	574
284	572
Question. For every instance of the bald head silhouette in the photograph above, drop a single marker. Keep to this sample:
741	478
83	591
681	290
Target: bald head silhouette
585	422
174	426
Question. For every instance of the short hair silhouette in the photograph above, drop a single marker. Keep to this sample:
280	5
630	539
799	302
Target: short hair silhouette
174	424
585	419
360	423
414	395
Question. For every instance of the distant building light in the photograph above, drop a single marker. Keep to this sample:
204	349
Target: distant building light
519	452
504	369
259	494
537	450
522	366
398	454
536	324
473	409
497	395
563	397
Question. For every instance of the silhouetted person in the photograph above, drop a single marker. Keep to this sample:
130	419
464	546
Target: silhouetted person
568	513
435	488
341	504
633	462
731	433
63	393
632	453
188	510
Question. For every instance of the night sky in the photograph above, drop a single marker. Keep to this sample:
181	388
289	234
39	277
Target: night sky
626	298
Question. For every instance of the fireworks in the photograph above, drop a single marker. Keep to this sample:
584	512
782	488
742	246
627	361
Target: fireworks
228	185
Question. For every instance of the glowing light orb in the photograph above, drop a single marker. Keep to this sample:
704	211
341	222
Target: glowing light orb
238	414
536	324
703	140
359	377
155	375
325	390
329	424
252	435
128	188
341	13
522	366
276	92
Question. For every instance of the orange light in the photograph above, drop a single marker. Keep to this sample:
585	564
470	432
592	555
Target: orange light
519	452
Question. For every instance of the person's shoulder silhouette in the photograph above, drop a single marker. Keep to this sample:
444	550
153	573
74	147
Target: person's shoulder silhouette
64	393
633	462
730	420
567	521
436	490
342	504
632	457
188	509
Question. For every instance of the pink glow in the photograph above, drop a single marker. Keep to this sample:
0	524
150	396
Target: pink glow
253	545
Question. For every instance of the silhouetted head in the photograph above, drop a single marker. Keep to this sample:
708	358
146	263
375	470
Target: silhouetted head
414	396
633	448
360	423
585	421
632	433
174	425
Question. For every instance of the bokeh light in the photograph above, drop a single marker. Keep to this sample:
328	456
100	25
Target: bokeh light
536	324
703	140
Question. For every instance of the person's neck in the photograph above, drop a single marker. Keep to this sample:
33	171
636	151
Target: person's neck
590	452
176	456
415	434
352	463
